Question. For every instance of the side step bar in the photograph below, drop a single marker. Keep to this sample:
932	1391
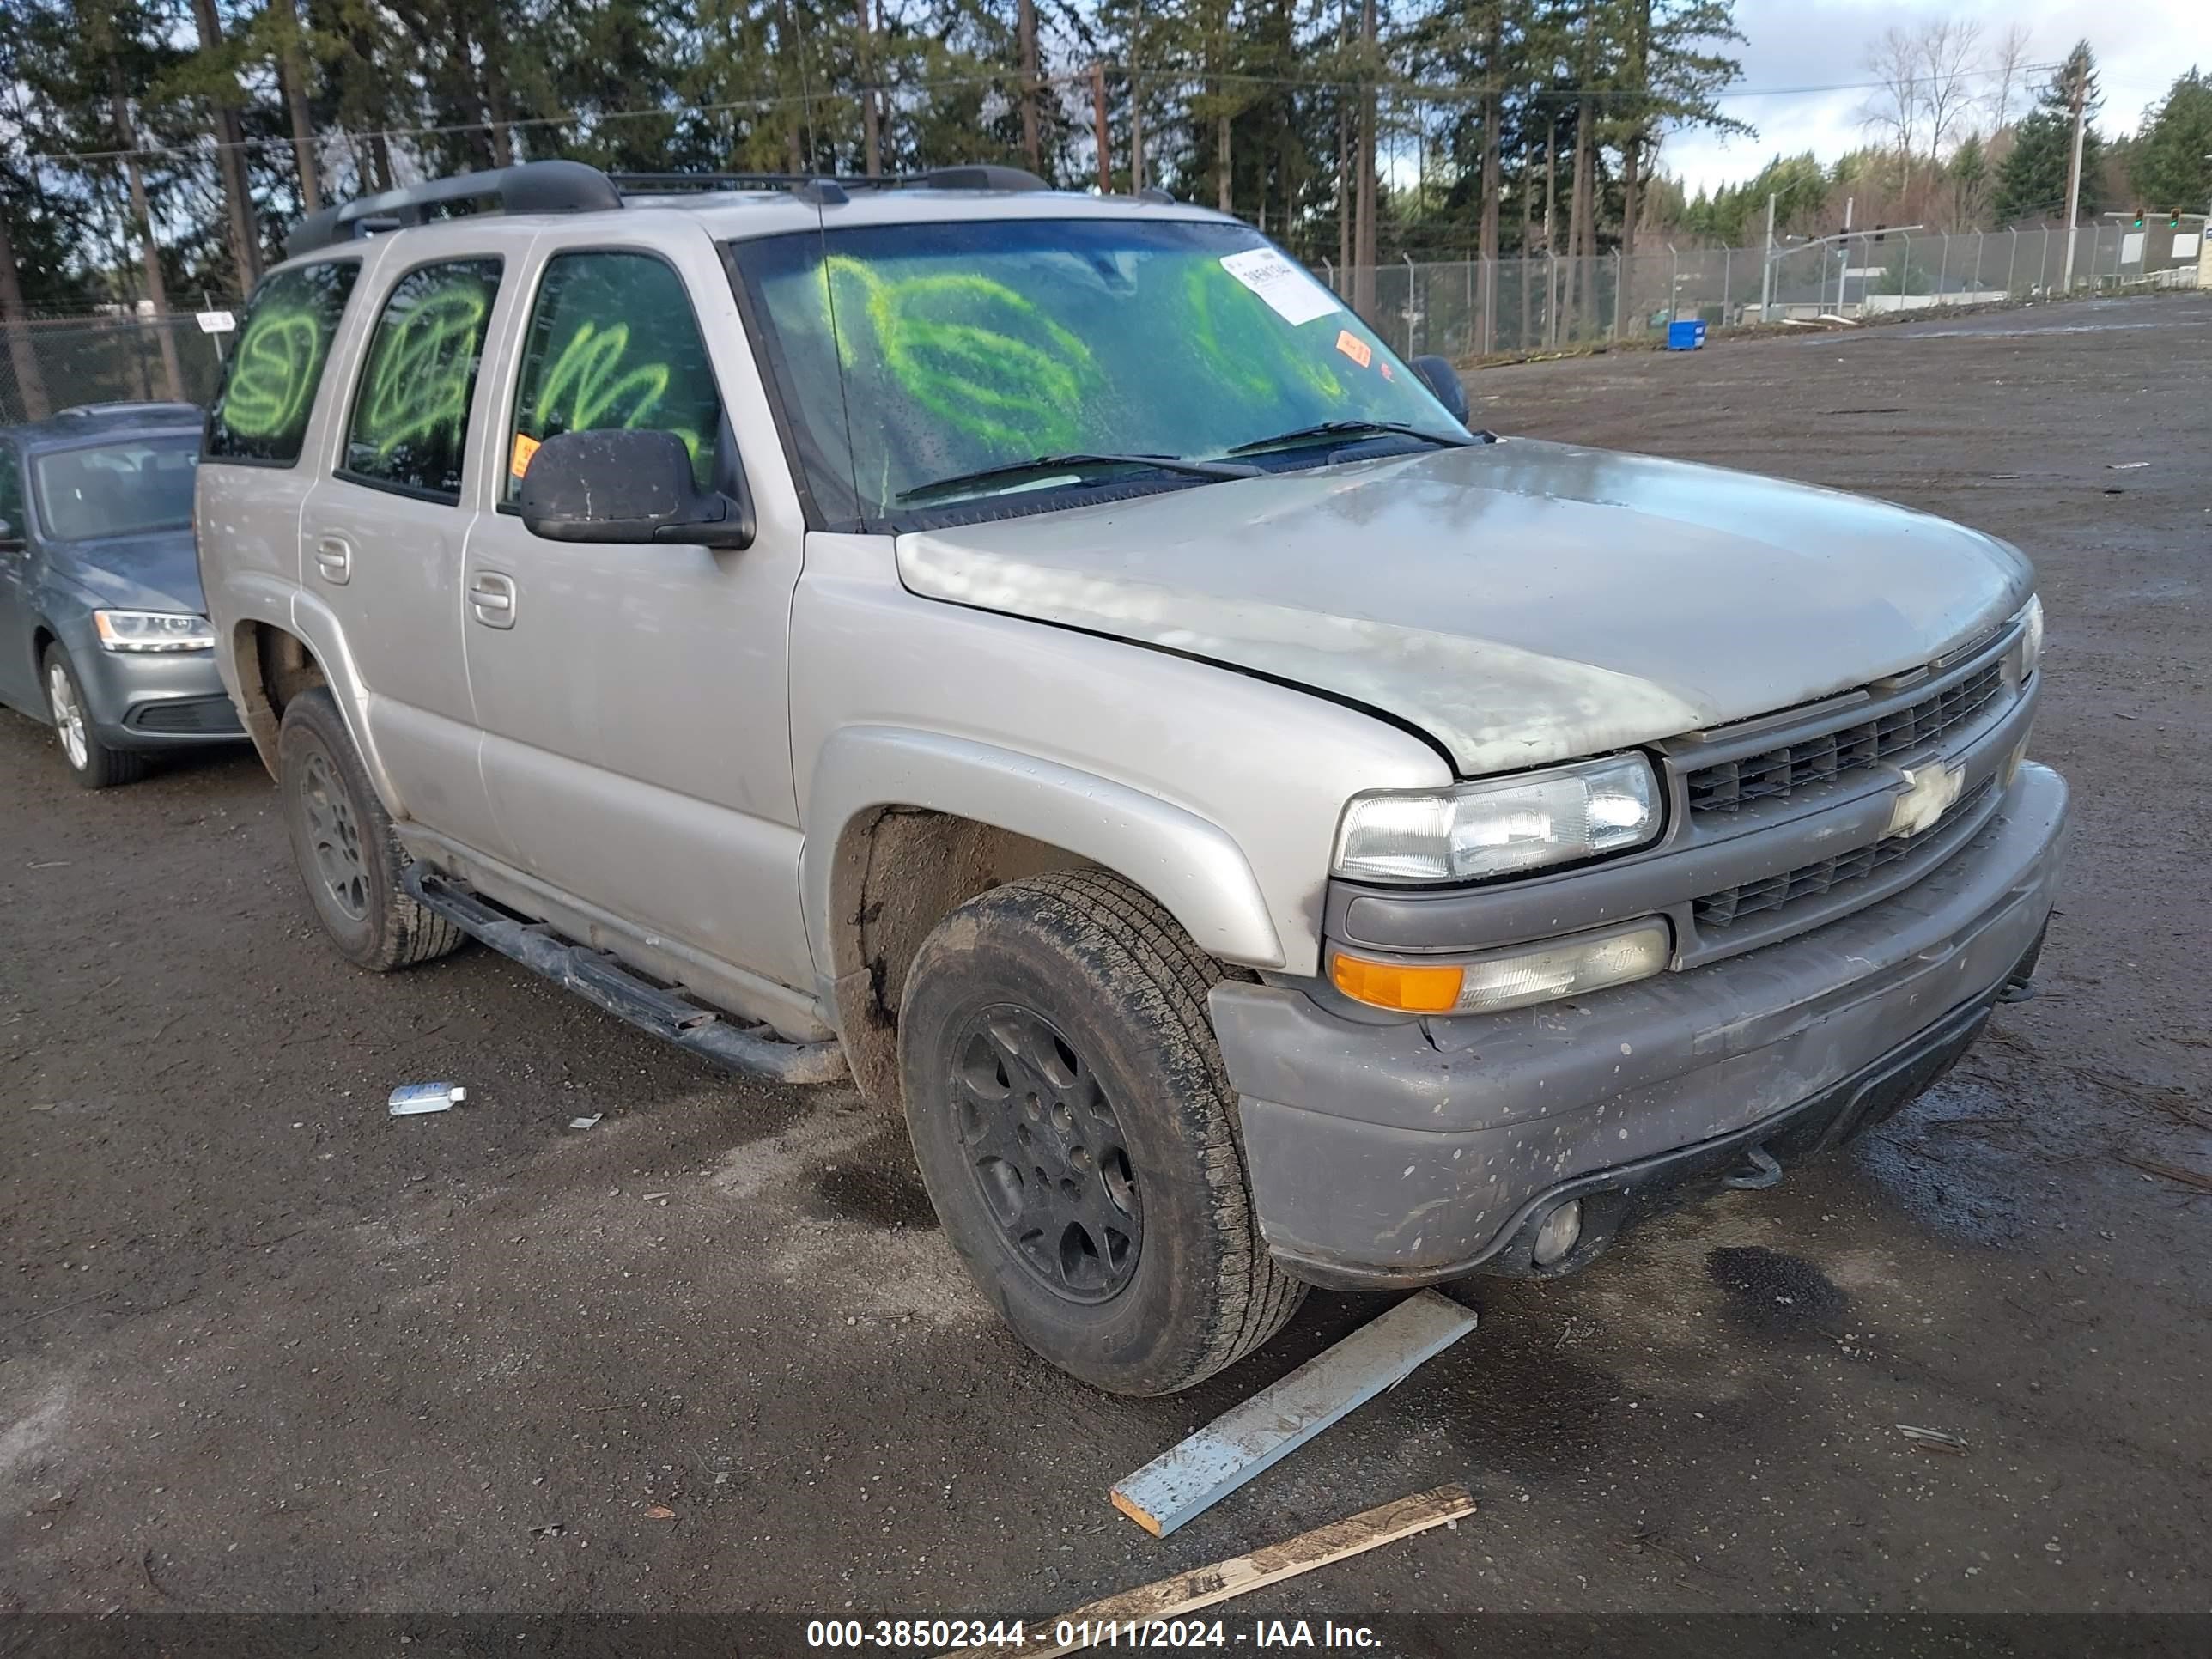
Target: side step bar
599	978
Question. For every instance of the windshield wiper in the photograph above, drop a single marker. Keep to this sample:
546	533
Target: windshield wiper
1325	430
1079	460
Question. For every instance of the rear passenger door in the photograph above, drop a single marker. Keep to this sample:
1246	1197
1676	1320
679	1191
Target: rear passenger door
636	736
381	535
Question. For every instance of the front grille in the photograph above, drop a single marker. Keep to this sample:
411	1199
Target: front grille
198	717
1730	785
1732	904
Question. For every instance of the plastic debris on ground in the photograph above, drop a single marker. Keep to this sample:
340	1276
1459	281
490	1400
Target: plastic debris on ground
410	1099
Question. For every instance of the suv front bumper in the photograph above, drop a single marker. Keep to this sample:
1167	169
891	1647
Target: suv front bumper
1404	1152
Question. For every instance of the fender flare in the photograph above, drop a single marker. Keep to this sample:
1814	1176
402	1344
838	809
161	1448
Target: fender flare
1192	866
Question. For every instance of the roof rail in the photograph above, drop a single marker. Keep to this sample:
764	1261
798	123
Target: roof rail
830	187
574	187
532	187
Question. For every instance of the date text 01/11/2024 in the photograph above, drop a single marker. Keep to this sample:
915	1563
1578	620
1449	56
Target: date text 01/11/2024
1065	1635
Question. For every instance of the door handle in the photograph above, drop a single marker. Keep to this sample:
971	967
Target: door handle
334	558
491	596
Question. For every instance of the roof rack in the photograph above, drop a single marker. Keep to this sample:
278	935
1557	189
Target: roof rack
574	187
532	188
829	189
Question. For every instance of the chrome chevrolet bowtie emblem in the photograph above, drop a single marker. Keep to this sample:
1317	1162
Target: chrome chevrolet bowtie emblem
1928	794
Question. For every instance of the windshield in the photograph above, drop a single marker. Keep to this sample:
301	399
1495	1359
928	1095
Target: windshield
908	354
120	488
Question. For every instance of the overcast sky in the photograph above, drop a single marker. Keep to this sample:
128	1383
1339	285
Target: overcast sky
2141	46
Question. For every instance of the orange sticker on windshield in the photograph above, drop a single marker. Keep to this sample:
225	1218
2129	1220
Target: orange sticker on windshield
1354	347
525	447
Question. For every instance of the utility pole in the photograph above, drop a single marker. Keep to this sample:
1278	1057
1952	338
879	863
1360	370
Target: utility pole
1098	129
2080	95
1843	247
1766	276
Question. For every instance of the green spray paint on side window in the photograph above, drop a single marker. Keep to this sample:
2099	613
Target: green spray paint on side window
279	360
418	384
589	385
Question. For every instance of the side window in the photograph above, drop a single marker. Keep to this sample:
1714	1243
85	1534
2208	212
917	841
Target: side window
410	412
269	384
12	528
612	343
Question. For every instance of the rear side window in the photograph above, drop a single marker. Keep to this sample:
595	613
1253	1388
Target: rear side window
613	343
11	499
269	385
410	413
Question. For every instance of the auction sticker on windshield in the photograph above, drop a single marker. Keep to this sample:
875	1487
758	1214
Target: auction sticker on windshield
1292	294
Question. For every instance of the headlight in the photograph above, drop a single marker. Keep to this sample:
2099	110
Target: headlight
2029	652
1511	979
1499	827
153	630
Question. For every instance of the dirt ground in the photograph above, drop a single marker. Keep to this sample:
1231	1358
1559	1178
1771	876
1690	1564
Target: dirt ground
265	1349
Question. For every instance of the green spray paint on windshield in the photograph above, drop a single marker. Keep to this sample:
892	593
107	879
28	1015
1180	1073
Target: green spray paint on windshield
418	385
972	351
274	371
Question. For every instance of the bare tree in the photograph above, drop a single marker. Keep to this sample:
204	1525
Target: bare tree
1950	49
2007	72
1893	107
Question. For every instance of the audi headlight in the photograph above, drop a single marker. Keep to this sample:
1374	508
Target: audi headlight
153	630
1502	826
2028	652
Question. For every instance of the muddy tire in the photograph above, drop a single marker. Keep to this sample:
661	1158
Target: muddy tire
349	861
1077	1132
91	763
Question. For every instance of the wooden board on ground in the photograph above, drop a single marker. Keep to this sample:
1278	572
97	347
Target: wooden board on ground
1186	1479
1188	1592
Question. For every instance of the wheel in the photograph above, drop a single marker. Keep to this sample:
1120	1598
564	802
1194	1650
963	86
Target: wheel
91	763
341	841
1077	1132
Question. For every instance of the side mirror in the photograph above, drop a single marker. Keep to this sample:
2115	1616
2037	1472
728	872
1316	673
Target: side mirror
11	539
1440	377
624	486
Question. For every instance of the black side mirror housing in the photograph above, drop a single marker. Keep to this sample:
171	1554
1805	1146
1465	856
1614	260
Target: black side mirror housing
1440	377
627	486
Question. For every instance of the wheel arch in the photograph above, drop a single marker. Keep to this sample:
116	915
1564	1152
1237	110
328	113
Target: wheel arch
906	826
269	667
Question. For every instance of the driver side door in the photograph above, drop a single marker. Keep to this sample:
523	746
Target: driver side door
632	699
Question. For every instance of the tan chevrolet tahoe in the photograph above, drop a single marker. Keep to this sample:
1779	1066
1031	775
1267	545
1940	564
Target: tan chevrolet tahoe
1041	657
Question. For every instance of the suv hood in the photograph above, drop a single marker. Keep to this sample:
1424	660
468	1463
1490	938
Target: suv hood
157	571
1520	602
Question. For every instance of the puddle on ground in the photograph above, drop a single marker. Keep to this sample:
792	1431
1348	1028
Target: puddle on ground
882	1197
1775	1294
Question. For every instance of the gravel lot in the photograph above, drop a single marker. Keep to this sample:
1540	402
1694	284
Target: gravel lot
265	1349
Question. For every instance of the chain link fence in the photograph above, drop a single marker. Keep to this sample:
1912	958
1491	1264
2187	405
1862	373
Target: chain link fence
51	364
1479	308
1464	310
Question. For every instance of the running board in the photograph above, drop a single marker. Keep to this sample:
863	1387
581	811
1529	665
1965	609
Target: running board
602	980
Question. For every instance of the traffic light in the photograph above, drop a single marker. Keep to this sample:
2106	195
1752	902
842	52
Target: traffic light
2139	218
2173	218
1879	231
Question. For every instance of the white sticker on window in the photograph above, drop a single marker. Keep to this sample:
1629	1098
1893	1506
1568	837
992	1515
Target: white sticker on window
1290	292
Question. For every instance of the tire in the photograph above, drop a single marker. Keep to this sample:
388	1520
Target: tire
1026	1010
94	764
349	861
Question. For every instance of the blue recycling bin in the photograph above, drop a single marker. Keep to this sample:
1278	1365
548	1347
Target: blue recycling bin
1687	336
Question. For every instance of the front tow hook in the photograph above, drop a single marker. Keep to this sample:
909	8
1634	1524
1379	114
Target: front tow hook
1758	1169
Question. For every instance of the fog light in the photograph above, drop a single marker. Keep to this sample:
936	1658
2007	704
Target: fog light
1560	1232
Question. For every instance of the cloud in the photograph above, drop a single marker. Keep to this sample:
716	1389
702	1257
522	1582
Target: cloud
2141	46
